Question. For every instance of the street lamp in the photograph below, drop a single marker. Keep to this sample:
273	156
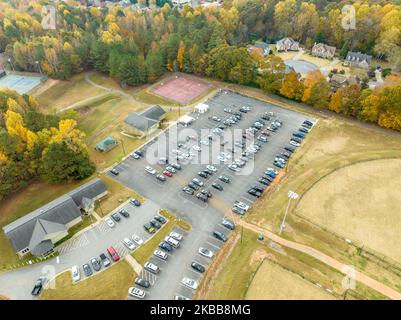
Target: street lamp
291	195
11	64
37	63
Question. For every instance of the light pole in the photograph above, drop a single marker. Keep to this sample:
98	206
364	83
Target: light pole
39	68
291	195
11	64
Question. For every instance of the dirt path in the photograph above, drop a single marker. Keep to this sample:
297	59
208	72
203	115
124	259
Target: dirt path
343	268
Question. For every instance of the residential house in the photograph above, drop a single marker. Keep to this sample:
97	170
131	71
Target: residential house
38	231
262	47
287	44
180	3
358	60
338	81
322	50
145	122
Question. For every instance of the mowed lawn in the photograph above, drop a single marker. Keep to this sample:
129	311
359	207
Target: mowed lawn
110	284
272	282
360	202
66	93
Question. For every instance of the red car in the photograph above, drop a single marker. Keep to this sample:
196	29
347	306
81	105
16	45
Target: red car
113	254
167	173
266	132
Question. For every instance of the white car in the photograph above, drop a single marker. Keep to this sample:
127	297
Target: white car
272	170
137	239
171	241
150	170
179	297
160	254
176	236
151	267
190	283
204	142
136	293
294	143
234	167
196	147
241	205
205	252
110	222
225	155
222	159
76	276
211	168
129	244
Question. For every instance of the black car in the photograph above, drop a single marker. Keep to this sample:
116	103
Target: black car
96	264
198	267
217	186
87	269
155	223
106	261
139	153
193	186
289	148
124	213
203	174
266	117
209	172
304	130
37	289
307	123
160	219
224	179
165	246
268	178
285	154
254	193
258	188
188	190
142	282
264	181
207	193
116	217
296	139
115	172
219	235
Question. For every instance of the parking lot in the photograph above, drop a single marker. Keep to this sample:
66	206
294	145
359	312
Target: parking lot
206	217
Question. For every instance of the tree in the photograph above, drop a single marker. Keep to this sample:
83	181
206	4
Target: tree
317	90
180	55
154	66
132	70
272	74
291	87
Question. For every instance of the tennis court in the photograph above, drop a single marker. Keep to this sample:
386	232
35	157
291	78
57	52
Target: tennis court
181	89
20	83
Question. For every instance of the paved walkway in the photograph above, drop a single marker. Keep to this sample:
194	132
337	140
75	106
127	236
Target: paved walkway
134	264
343	268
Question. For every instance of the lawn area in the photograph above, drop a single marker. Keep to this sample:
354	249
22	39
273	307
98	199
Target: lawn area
232	272
272	282
149	98
146	250
110	284
104	119
66	93
117	194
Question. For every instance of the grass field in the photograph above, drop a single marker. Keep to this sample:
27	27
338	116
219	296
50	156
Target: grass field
66	93
360	202
231	275
272	282
110	284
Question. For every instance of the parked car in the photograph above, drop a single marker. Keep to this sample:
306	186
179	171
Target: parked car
116	217
229	224
193	186
165	246
124	213
188	190
167	173
87	269
135	202
203	174
96	264
217	186
175	235
155	223
241	205
198	267
238	210
205	252
264	181
224	178
176	166
137	239
160	219
151	267
197	181
150	170
75	274
149	227
279	164
202	197
180	297
106	261
171	241
110	222
129	244
113	254
160	177
142	282
114	171
294	143
211	168
220	236
37	288
289	148
190	283
136	293
160	254
254	193
207	193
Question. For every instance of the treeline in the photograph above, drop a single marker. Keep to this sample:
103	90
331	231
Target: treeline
35	145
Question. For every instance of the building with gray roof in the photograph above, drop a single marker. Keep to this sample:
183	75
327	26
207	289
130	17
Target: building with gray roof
39	230
144	122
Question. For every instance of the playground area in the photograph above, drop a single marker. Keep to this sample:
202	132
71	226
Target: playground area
20	83
180	89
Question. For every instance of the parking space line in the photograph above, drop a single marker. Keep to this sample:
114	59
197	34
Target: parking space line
213	245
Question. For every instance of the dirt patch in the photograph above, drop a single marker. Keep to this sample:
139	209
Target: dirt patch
257	256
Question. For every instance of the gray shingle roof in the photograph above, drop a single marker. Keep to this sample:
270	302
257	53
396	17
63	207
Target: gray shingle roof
146	119
358	56
89	190
153	113
43	247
